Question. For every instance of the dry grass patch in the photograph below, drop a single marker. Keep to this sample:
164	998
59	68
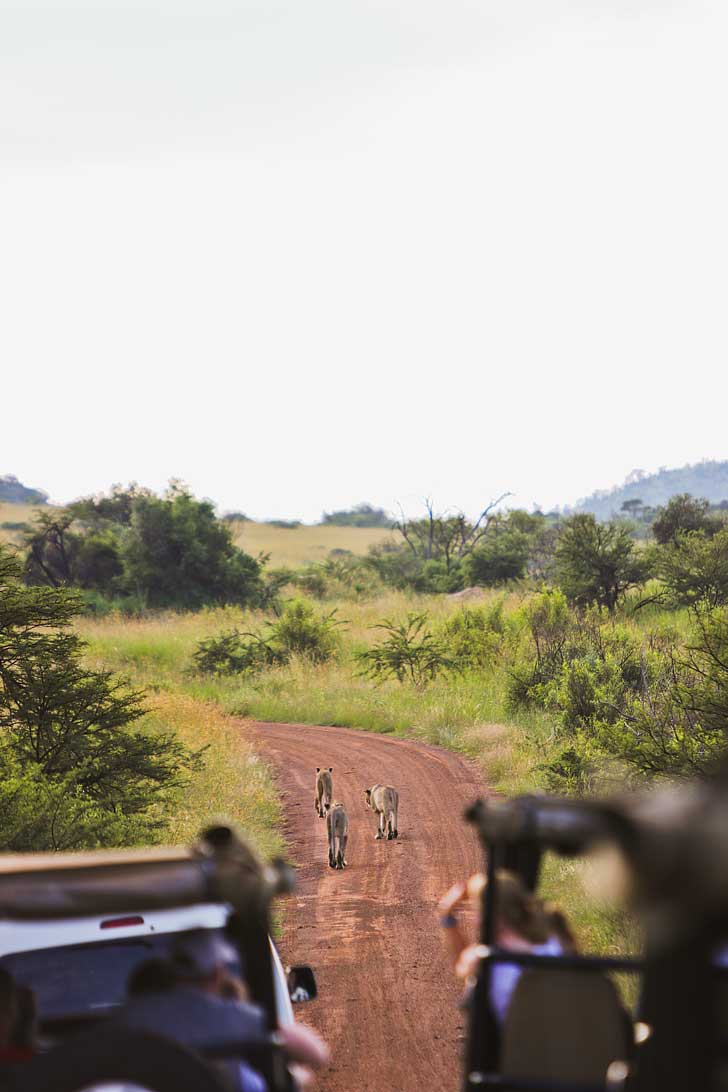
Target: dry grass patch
295	546
17	513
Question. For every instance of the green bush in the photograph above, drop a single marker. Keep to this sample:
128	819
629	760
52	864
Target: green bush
409	653
503	556
676	724
597	562
474	636
235	653
694	569
297	631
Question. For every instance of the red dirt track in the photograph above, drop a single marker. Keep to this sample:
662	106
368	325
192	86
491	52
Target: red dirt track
388	1003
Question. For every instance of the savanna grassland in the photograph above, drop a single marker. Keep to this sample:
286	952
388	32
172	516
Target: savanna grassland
13	519
556	653
295	546
468	712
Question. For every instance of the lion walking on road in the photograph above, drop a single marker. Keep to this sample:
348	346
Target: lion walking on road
324	790
384	802
337	827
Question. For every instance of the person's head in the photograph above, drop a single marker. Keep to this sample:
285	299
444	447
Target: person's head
151	976
203	958
8	1006
517	910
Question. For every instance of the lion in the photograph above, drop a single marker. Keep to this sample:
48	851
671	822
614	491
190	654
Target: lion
337	827
384	802
324	790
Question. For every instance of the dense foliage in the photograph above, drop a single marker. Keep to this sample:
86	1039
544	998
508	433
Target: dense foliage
597	562
645	701
447	552
296	631
75	768
141	550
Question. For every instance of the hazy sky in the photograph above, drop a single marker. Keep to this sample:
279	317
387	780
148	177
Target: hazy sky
303	253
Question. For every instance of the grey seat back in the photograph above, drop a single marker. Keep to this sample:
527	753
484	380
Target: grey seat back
563	1026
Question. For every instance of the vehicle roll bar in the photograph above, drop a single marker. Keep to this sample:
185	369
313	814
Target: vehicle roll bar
220	867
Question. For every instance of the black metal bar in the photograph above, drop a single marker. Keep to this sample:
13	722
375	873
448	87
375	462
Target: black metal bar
528	1084
482	1045
564	962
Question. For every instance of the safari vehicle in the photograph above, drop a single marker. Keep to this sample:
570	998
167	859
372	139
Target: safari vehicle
563	1031
74	926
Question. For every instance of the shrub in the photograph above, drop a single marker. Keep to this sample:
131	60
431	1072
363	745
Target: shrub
695	569
409	653
474	636
502	556
297	631
677	723
234	653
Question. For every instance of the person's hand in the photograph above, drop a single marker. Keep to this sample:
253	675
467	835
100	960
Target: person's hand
467	962
303	1045
471	888
452	898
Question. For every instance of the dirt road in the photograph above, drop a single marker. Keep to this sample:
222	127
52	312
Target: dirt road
388	1002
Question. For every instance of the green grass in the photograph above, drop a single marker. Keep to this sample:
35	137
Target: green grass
466	714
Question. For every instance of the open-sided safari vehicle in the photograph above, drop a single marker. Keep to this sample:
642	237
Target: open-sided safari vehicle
565	1029
72	927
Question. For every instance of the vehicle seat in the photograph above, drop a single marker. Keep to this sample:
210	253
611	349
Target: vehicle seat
110	1055
563	1026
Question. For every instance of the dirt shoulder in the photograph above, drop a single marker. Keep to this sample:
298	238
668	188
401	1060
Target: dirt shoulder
388	1003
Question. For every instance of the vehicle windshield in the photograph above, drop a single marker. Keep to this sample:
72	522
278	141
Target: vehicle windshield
84	979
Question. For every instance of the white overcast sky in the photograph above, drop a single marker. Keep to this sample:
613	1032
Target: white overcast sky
303	253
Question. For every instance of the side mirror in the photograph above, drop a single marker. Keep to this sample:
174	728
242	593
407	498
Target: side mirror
301	984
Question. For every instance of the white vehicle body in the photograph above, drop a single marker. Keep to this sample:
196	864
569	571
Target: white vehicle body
86	937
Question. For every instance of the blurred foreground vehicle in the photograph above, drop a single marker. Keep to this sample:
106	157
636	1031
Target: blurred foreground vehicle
666	854
74	928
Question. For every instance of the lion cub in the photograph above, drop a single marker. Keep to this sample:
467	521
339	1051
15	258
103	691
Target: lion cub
384	802
337	828
324	790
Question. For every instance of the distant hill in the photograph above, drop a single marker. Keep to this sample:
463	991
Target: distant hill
14	492
707	479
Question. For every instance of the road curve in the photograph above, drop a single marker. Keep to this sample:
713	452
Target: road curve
388	1004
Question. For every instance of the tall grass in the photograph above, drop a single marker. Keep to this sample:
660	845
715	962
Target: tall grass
467	713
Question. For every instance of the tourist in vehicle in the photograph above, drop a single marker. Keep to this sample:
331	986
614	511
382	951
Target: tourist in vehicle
196	997
181	1000
523	924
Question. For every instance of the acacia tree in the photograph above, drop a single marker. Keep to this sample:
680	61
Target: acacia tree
683	514
446	537
596	562
75	768
695	568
